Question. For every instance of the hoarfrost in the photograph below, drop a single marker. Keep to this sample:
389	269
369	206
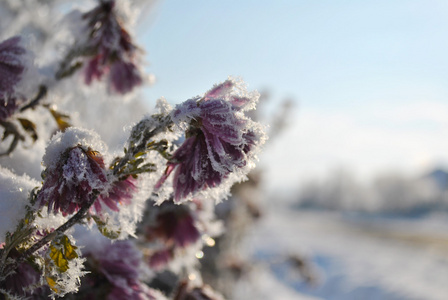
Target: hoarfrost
70	138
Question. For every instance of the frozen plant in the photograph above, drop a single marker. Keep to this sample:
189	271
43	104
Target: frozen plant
155	198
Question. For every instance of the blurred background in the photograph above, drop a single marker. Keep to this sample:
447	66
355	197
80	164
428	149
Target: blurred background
350	199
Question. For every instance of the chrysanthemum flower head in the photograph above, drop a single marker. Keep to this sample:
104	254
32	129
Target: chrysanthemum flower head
24	283
74	170
12	66
173	224
114	273
114	52
70	184
220	139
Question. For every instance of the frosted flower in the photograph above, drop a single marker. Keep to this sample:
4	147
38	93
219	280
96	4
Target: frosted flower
113	50
169	227
22	283
174	225
124	76
12	67
114	274
220	139
69	184
74	170
11	64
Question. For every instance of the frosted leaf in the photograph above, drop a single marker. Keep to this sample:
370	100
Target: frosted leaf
14	193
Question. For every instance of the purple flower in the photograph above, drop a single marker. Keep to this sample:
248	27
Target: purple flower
114	273
173	224
113	50
124	76
22	283
170	226
121	192
11	71
220	140
69	184
11	64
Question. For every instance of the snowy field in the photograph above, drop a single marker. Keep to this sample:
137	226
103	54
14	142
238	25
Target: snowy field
348	256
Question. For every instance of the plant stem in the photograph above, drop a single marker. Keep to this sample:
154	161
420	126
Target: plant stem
80	215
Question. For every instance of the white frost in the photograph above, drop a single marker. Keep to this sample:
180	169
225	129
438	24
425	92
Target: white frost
14	192
71	138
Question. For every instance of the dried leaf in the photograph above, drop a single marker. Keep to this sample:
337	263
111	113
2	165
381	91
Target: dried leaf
29	128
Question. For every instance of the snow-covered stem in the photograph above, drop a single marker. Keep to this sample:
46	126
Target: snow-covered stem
78	217
165	123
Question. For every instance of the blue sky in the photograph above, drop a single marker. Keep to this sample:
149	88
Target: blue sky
369	77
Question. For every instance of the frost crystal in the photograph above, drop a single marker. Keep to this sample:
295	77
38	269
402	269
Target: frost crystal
220	140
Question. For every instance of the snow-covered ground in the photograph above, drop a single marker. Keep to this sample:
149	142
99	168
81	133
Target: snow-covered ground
349	257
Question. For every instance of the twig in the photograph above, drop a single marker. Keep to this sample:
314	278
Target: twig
40	94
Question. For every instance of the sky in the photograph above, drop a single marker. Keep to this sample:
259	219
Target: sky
369	79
